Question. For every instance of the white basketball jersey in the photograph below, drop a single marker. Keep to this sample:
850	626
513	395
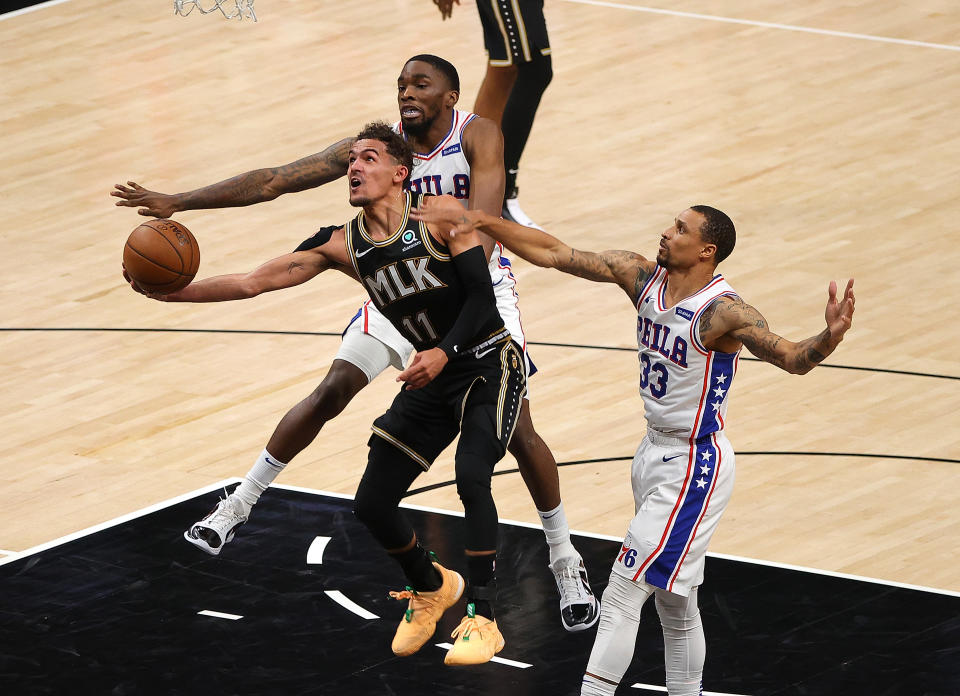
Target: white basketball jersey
446	170
685	387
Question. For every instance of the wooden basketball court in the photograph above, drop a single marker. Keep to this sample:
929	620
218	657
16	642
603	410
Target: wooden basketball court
827	133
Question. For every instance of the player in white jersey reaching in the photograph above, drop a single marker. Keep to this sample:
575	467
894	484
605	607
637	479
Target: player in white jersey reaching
690	330
455	153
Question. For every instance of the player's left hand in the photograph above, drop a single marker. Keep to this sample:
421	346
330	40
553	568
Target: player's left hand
446	7
425	366
839	313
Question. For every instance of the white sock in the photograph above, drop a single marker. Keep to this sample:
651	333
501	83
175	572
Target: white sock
258	479
558	533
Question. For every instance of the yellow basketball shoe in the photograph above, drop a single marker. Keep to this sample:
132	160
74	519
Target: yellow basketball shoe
476	640
424	610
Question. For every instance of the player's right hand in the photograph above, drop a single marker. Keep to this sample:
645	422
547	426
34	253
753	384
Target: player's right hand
137	288
159	205
446	7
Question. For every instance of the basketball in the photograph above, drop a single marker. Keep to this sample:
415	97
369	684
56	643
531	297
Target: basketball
161	256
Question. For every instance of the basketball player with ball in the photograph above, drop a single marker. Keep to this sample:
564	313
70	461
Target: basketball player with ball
691	327
455	152
467	377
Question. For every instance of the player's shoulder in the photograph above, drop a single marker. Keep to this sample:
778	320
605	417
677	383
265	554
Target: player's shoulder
322	237
480	131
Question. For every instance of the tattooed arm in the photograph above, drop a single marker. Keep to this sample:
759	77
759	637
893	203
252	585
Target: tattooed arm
730	321
251	187
628	270
282	272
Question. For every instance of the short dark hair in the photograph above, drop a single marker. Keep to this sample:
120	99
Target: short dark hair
397	147
444	66
717	229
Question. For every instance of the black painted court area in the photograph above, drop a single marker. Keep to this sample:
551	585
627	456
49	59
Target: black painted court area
116	612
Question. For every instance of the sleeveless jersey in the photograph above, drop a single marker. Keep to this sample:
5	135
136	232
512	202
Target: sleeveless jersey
685	386
446	170
411	279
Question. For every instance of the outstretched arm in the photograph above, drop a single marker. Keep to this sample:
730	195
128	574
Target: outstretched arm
251	187
628	270
730	320
282	272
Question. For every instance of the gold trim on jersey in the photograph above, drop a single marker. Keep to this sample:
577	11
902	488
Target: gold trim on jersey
362	228
348	234
406	449
428	242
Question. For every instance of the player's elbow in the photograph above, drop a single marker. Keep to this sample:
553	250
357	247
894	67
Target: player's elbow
251	286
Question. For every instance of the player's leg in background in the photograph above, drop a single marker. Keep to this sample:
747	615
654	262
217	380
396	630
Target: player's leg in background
616	635
683	642
297	429
517	122
495	91
519	69
538	467
360	359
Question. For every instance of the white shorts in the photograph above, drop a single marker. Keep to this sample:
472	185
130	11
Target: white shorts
358	350
680	490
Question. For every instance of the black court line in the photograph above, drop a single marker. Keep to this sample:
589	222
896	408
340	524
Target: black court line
531	343
131	608
601	460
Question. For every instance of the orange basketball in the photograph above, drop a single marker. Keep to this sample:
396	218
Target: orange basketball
161	256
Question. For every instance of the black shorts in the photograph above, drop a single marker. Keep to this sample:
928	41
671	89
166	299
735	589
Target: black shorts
511	37
483	393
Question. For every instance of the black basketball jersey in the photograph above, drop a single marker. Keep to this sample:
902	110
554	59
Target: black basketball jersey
411	279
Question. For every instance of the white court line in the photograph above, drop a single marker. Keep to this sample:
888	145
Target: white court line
4	552
315	552
219	614
767	25
609	537
118	520
663	689
24	10
226	482
501	660
348	604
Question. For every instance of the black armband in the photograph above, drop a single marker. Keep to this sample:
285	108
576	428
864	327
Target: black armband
319	239
478	315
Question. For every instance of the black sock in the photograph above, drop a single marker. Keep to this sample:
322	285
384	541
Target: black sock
482	587
418	566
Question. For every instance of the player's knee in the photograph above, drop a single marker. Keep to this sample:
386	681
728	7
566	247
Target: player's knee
473	480
625	598
678	613
333	394
535	75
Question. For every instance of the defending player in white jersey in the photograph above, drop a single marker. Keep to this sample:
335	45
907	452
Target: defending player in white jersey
691	326
456	153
